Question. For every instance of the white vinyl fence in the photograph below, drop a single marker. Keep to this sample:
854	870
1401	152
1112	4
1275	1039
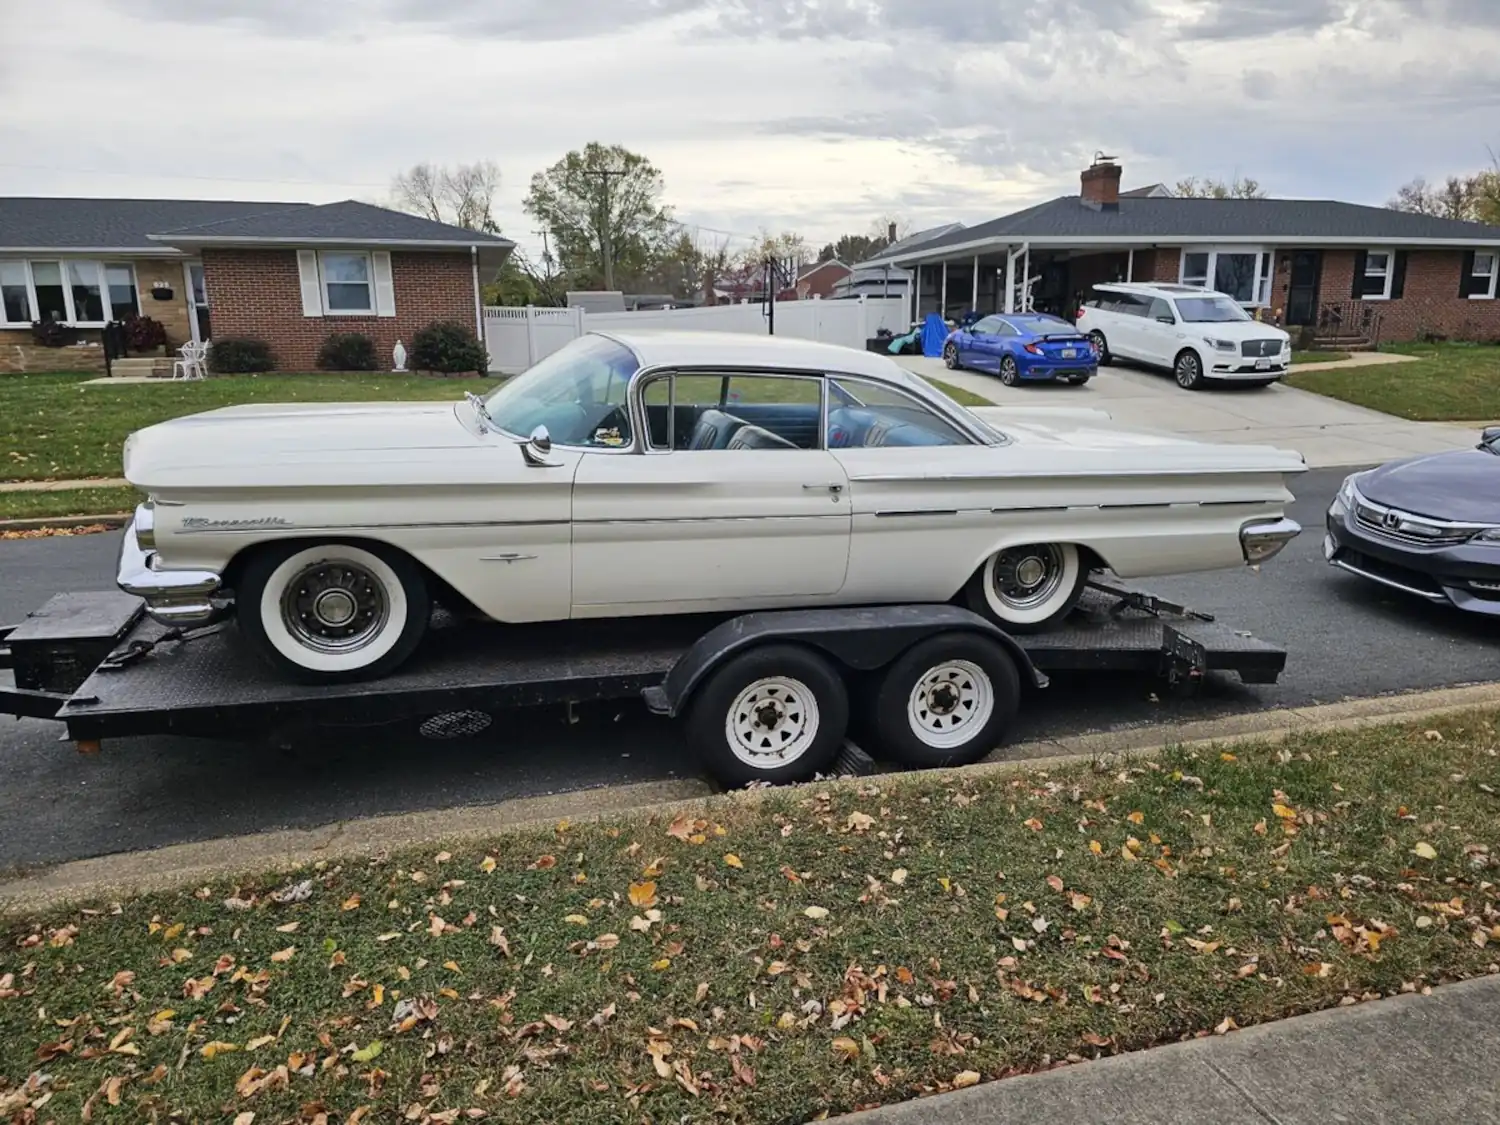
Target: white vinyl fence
518	337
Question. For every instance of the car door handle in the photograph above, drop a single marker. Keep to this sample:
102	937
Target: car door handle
835	488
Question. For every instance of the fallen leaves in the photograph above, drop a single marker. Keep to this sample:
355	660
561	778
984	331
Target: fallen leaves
216	1048
732	860
282	956
845	1048
816	913
643	894
965	1078
1424	850
898	876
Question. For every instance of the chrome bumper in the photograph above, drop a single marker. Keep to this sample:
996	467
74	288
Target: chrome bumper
1264	539
173	597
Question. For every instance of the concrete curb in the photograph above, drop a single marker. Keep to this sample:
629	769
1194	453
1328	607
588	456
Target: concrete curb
177	865
109	522
74	485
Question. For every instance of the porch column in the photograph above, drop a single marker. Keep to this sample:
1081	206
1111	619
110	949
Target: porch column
1130	266
943	307
885	283
1026	276
916	292
1010	280
974	296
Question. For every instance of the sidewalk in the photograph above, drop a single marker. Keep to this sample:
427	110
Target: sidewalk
1409	1059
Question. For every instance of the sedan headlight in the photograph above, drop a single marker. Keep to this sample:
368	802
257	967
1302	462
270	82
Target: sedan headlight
1222	345
1488	535
1344	501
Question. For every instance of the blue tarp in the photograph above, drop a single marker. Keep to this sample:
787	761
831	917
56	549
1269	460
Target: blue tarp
914	337
934	335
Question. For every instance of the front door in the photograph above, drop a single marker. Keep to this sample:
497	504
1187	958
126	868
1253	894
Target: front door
738	505
1302	288
197	295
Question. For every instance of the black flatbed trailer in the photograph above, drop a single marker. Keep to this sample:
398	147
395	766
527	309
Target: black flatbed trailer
95	663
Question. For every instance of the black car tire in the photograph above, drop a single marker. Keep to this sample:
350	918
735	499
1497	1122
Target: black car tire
1010	374
1101	345
950	357
1187	369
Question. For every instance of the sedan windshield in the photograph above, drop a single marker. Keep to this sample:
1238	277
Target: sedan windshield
1043	326
1209	310
577	392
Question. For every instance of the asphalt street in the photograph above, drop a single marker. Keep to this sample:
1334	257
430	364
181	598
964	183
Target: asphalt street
1346	639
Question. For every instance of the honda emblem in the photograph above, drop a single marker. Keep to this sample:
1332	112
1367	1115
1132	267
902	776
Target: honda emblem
1391	520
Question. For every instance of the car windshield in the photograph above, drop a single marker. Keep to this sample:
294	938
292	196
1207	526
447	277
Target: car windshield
577	392
1209	310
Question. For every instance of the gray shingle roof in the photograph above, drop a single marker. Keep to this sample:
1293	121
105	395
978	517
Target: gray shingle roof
348	221
1167	220
33	222
39	223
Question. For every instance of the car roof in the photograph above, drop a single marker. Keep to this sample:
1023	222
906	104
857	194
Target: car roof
742	349
1161	289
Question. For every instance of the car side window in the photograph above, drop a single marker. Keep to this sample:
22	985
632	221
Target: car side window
1131	305
1161	308
1004	328
656	397
867	415
988	326
734	411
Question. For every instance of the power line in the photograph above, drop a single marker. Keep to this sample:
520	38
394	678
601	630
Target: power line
188	176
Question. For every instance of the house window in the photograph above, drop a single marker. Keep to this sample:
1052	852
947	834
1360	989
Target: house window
346	283
1482	278
119	278
15	294
73	291
1242	272
1376	283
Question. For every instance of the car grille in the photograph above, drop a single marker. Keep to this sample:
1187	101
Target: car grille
1403	527
1260	349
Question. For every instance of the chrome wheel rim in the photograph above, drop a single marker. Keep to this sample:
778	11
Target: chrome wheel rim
334	607
950	704
1007	371
1026	577
1187	371
772	722
950	357
1098	341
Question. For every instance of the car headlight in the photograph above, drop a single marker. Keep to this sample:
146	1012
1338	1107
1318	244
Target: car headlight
1488	535
1344	501
1222	345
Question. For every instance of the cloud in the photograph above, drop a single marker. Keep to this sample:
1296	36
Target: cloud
1248	19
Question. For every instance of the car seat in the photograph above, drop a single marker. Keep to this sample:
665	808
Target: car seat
753	437
714	430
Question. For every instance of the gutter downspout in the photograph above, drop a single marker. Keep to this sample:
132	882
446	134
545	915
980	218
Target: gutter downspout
478	297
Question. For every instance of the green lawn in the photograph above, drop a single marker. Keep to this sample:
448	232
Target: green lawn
776	956
69	502
54	427
1453	382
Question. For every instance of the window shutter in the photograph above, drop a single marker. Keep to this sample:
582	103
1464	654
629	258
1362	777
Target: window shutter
385	286
1398	281
1466	277
312	291
1361	259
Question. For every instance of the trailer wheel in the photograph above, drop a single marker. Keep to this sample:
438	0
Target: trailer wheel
947	701
331	612
776	713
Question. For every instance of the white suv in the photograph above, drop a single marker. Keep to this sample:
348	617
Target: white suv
1196	334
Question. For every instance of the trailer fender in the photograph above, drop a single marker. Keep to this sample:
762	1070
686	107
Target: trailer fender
859	639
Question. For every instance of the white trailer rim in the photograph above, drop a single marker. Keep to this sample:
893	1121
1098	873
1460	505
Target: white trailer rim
772	722
950	704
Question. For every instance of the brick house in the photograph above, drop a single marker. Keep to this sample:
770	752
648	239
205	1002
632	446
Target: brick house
818	279
1349	273
286	273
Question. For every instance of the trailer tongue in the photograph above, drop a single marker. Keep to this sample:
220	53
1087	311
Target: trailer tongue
92	662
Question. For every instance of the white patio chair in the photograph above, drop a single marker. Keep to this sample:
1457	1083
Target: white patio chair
191	365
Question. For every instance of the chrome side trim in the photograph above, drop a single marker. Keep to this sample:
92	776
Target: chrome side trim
358	527
508	557
1263	539
1428	595
173	597
899	513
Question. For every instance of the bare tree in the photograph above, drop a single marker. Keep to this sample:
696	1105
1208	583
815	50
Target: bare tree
462	195
1241	187
1474	198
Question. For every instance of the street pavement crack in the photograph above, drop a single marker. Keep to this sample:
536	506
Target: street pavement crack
1250	1100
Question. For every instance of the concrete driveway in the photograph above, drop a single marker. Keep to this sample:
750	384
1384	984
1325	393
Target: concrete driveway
1325	431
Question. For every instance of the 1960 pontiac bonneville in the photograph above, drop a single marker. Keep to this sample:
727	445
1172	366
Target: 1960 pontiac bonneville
640	474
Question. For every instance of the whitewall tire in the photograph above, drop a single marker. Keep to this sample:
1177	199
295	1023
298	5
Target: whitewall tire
330	612
1029	588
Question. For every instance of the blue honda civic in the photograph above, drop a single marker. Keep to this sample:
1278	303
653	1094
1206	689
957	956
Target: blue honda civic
1023	347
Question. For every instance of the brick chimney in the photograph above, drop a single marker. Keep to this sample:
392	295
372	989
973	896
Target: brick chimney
890	234
1101	184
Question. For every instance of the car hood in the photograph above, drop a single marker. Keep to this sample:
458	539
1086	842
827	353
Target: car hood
283	444
1463	486
1235	330
1083	436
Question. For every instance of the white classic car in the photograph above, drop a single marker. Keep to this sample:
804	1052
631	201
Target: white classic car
639	474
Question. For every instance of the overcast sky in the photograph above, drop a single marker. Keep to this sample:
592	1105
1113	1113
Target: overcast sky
816	115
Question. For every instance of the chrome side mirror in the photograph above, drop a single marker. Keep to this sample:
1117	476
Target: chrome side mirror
537	448
1490	435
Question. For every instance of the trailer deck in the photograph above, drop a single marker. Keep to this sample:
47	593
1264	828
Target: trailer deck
212	686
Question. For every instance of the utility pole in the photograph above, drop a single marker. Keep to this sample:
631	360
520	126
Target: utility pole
605	241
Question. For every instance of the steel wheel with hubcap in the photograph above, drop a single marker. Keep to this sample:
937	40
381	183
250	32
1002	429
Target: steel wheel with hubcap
332	611
1101	348
1010	374
1189	370
950	356
946	701
1028	588
777	713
